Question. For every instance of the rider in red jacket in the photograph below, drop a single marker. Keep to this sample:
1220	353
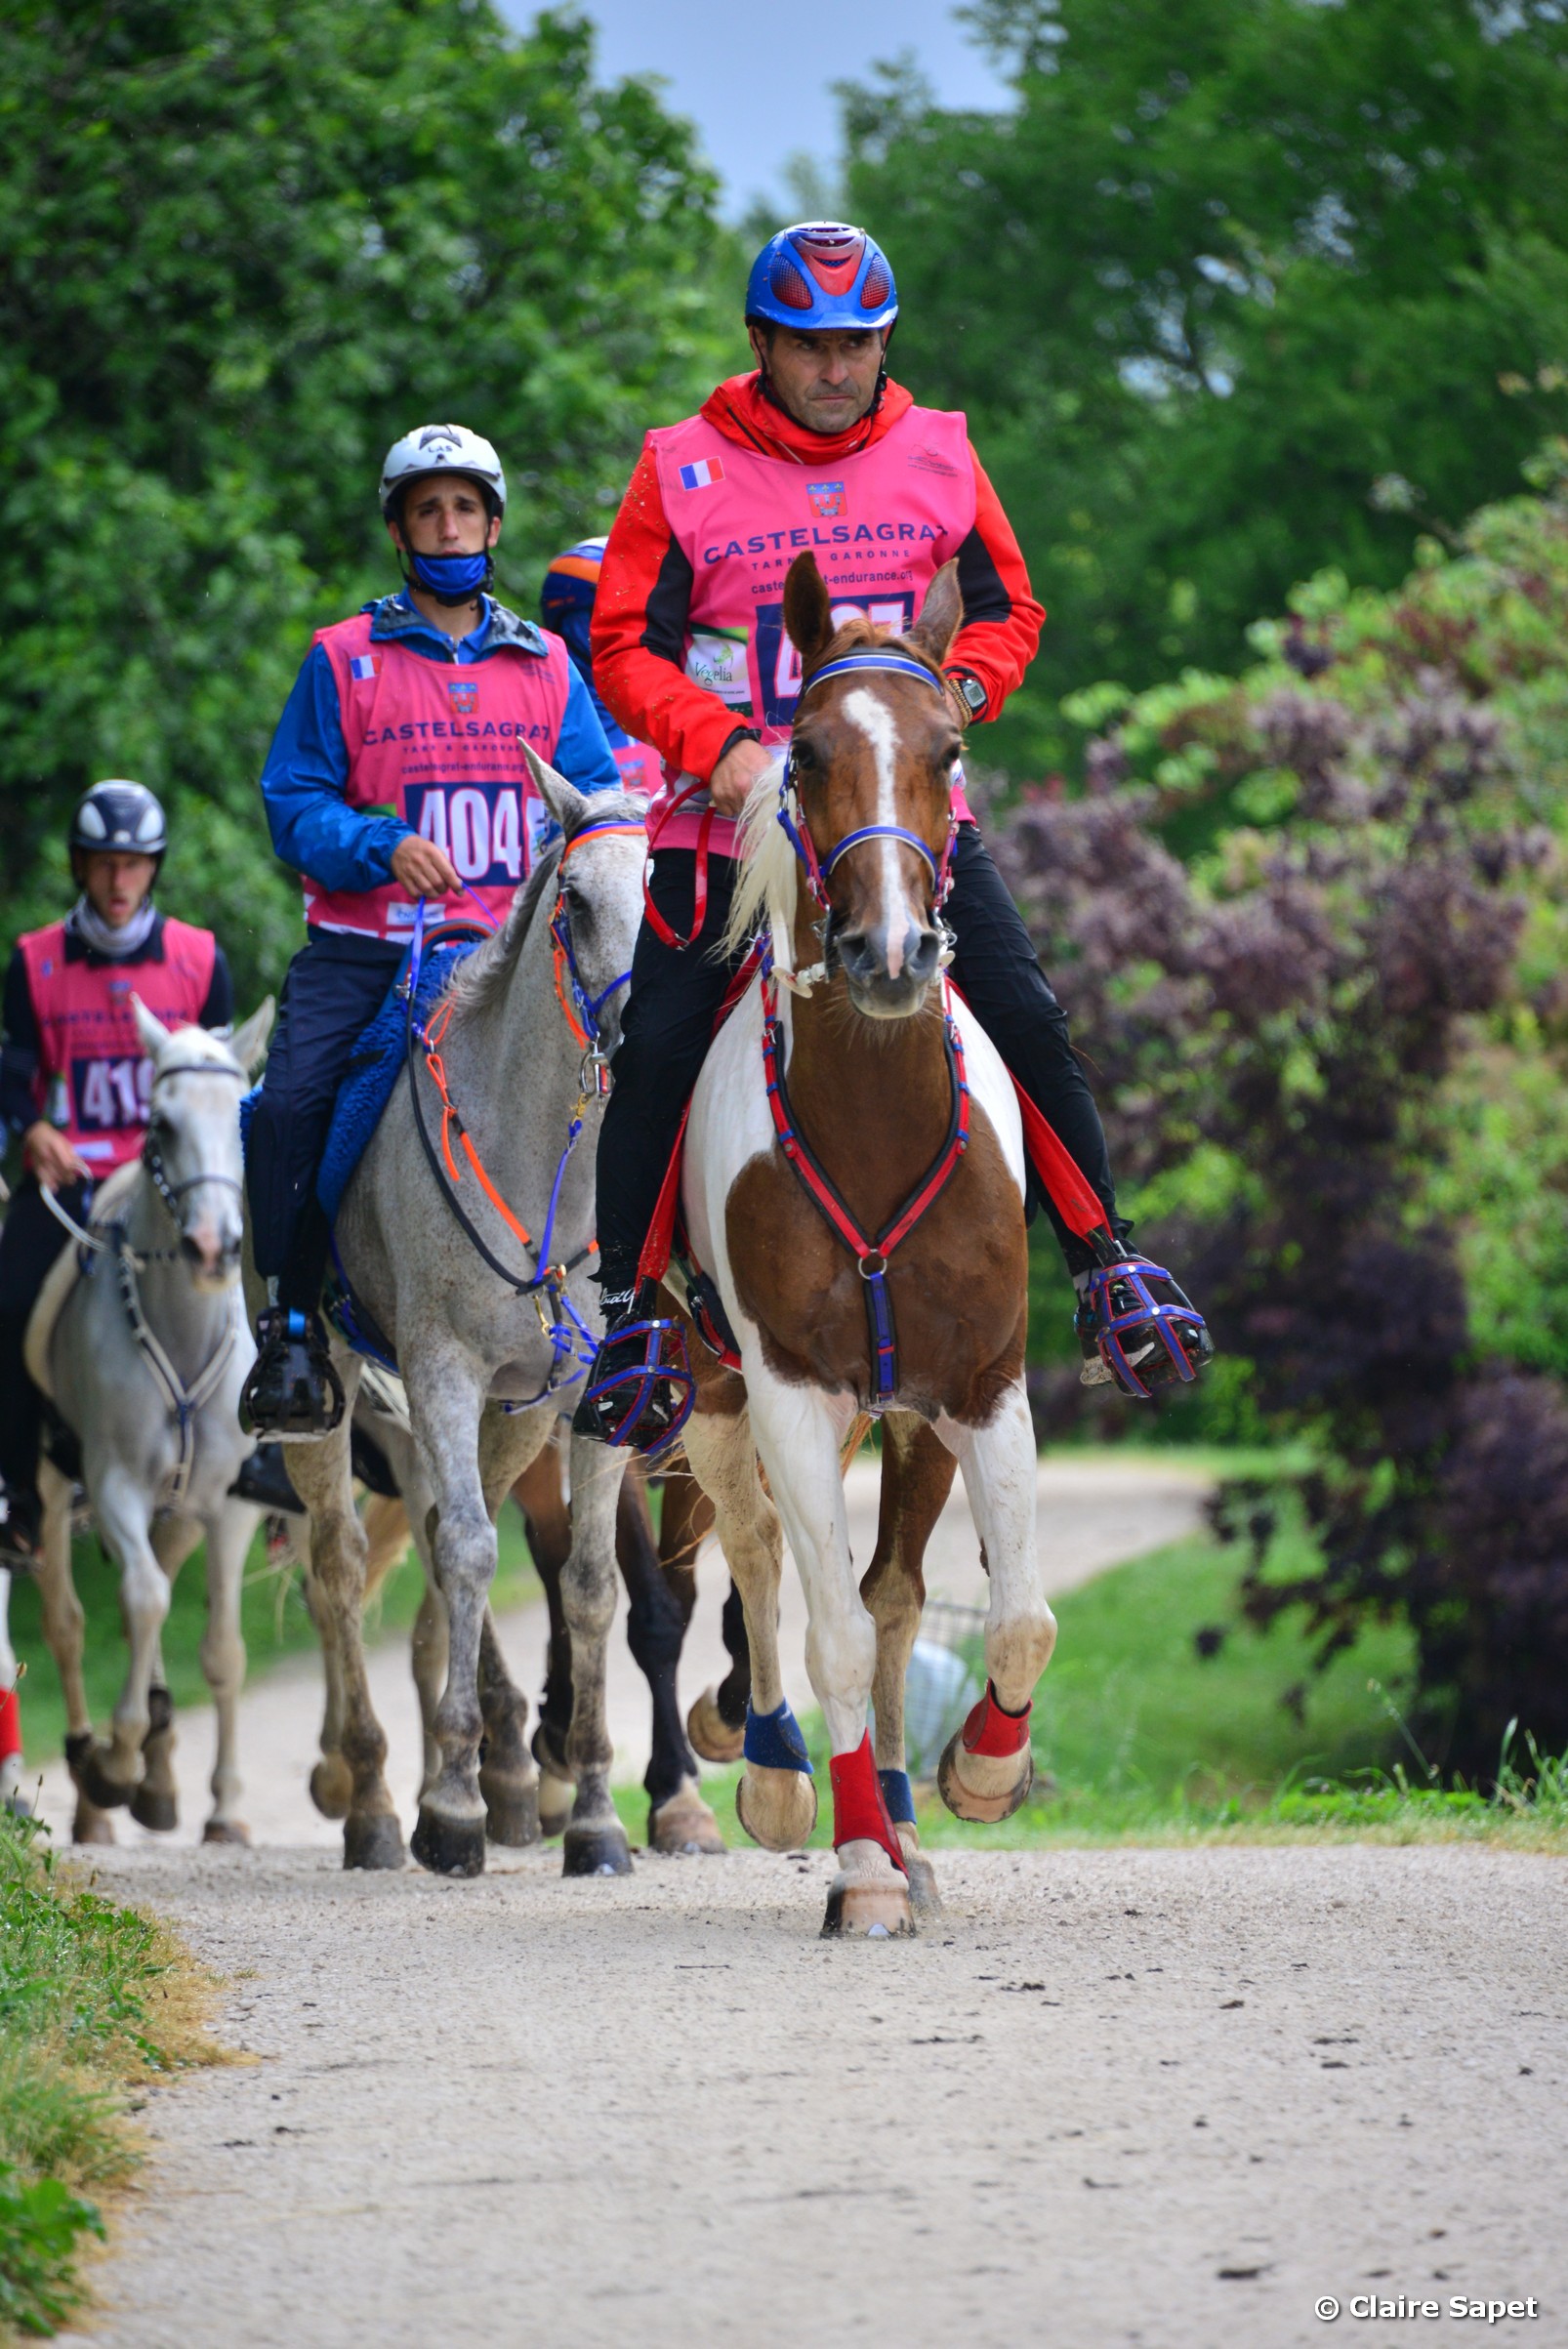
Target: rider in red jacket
817	449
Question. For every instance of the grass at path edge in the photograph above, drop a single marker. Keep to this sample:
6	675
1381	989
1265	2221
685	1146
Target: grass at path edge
95	1999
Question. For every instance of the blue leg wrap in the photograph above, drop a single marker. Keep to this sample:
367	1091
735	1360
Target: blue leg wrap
899	1797
774	1741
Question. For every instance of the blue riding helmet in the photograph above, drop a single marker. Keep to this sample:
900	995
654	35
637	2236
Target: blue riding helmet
820	274
566	598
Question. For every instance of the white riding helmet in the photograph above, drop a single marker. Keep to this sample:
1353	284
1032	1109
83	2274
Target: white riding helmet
441	448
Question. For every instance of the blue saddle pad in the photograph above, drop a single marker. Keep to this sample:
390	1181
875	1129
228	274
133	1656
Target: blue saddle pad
373	1072
374	1067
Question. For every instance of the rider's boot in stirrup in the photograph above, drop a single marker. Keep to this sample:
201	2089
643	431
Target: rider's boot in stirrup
264	1480
641	1389
21	1527
293	1389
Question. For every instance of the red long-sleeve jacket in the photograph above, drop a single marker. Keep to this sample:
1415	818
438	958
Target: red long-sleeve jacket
640	618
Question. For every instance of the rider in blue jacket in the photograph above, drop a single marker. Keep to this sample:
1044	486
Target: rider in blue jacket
396	773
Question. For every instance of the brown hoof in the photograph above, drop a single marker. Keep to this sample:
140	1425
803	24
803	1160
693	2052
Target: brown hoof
556	1799
790	1805
332	1787
103	1792
924	1896
684	1823
227	1831
855	1909
511	1810
599	1849
709	1733
447	1847
374	1839
159	1812
91	1825
965	1803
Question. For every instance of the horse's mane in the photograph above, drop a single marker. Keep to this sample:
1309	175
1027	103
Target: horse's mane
768	888
483	976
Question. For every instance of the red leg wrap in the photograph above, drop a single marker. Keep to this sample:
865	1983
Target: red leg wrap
10	1725
860	1812
990	1730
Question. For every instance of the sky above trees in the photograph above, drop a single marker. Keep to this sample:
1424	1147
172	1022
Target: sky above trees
757	82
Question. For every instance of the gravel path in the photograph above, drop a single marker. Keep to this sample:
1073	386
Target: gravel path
1092	1515
1157	2098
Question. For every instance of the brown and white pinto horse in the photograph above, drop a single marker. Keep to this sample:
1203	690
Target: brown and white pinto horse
877	1096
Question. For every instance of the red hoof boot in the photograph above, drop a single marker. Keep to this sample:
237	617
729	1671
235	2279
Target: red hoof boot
987	1769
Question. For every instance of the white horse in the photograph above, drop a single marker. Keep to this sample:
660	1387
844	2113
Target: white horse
486	1351
141	1342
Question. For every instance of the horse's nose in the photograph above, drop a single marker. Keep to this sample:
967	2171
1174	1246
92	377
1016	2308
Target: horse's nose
887	977
207	1247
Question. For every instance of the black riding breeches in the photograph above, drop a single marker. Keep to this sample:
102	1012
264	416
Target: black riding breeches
675	999
29	1245
334	989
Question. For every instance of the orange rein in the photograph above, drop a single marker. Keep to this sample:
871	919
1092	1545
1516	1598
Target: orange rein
435	1033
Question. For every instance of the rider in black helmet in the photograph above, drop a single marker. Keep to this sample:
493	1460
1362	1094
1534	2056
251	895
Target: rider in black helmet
75	1082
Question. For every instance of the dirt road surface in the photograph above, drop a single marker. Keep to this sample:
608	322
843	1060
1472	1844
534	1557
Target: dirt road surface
1159	2098
1092	1515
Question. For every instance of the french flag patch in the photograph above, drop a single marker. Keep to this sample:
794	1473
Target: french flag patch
700	476
364	666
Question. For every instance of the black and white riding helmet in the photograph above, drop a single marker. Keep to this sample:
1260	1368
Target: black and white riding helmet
119	815
441	448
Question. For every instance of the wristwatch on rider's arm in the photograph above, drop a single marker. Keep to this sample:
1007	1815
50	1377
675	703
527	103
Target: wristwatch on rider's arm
968	692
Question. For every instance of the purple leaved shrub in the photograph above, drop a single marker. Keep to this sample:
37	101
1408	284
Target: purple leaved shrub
1287	1012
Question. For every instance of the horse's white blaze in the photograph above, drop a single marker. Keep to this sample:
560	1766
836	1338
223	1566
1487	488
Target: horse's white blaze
879	728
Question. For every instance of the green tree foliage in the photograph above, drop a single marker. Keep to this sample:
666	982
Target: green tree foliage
1331	1049
1243	288
242	247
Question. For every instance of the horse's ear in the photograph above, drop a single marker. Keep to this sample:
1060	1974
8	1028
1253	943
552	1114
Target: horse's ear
569	806
807	609
152	1032
941	615
249	1042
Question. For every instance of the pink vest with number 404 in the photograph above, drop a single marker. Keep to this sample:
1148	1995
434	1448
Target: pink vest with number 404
94	1080
881	525
443	747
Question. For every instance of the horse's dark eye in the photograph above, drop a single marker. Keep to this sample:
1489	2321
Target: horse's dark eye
805	756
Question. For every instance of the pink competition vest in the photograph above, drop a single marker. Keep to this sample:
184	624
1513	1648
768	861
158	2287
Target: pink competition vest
881	525
94	1080
441	747
642	768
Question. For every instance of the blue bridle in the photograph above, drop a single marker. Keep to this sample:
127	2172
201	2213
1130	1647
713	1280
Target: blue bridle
819	872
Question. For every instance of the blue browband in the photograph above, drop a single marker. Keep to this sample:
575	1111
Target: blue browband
890	664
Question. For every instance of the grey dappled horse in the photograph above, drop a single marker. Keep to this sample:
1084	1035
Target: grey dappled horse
144	1357
466	1343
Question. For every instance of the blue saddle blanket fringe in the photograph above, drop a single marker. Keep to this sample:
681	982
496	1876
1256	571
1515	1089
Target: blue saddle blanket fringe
374	1067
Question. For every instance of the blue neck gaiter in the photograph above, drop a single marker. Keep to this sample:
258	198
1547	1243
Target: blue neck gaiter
450	577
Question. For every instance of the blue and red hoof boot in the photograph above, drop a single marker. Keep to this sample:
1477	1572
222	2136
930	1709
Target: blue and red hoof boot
1144	1331
294	1390
641	1389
